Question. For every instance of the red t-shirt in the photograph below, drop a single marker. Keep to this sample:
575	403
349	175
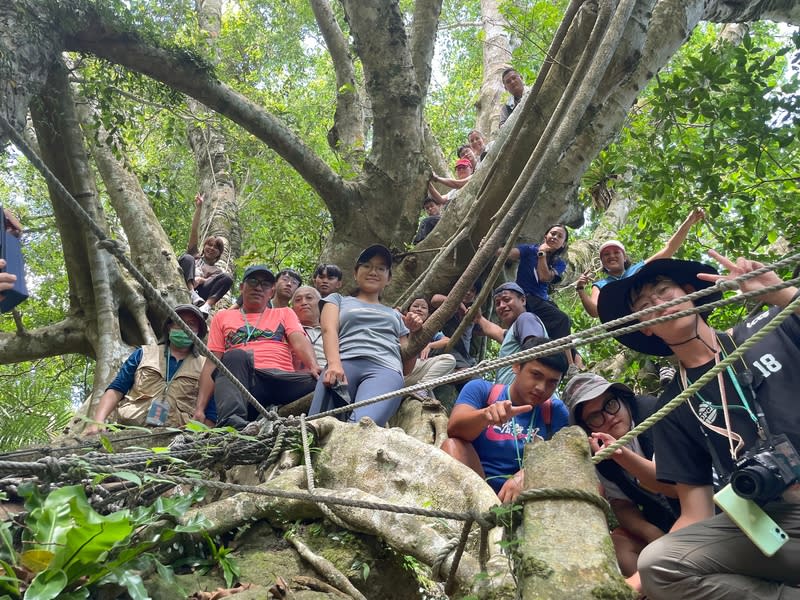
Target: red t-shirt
266	334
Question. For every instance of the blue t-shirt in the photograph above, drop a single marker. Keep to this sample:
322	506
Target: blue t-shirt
500	447
528	279
123	382
526	325
627	273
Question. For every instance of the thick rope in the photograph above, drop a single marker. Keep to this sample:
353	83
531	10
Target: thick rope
449	586
594	334
566	494
115	248
309	468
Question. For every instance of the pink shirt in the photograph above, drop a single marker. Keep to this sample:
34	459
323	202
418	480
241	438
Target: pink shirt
265	333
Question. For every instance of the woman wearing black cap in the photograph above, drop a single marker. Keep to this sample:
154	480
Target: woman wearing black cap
362	339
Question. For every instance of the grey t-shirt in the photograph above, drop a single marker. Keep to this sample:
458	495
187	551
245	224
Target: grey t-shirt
369	331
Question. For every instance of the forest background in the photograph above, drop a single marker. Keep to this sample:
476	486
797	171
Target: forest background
716	128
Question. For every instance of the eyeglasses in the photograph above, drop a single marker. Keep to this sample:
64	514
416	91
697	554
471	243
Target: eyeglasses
597	418
664	290
255	282
380	269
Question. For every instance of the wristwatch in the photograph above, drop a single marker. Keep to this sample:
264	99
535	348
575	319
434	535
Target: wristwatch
541	254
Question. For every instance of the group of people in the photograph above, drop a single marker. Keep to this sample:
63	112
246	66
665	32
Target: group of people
283	340
743	425
469	158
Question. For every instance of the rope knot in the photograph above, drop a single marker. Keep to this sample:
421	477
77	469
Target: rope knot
52	468
113	246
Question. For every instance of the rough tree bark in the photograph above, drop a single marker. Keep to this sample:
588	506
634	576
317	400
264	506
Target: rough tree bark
496	57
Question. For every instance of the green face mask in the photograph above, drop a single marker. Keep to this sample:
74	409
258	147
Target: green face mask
179	338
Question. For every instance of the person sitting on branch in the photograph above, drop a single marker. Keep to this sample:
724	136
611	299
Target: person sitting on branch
157	385
206	279
258	345
362	339
616	264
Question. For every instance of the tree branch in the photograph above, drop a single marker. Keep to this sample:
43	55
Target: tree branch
380	39
742	11
186	74
423	39
65	337
347	133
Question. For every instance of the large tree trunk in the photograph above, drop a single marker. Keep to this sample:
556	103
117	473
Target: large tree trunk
496	57
220	211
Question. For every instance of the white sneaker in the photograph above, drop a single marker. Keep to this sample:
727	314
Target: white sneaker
196	299
205	309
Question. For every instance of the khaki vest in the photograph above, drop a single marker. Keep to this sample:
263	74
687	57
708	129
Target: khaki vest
148	383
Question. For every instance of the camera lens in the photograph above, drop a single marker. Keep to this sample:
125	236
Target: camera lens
756	482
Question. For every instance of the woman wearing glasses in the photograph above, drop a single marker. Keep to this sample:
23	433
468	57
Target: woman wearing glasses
607	411
362	338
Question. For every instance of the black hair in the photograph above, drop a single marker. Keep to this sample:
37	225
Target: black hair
427	200
552	256
461	148
330	270
555	361
506	72
293	274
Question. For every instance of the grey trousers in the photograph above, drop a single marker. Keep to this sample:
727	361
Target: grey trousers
714	559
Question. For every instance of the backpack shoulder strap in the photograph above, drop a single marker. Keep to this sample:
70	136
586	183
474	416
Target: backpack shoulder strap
547	416
494	393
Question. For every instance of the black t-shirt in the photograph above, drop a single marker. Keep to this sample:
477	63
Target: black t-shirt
682	454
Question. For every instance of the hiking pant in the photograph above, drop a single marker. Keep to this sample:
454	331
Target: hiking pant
268	386
556	322
365	379
714	559
431	368
215	287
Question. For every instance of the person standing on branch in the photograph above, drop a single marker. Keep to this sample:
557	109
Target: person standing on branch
747	406
206	279
616	264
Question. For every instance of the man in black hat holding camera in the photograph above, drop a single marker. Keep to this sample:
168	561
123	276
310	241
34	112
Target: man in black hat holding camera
717	430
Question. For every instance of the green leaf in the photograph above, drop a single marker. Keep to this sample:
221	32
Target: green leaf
47	585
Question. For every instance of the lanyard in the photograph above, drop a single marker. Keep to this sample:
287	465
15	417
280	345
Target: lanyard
727	432
529	435
250	330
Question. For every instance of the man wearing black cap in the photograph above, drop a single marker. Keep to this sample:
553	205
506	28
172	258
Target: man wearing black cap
158	383
707	556
256	343
518	325
491	423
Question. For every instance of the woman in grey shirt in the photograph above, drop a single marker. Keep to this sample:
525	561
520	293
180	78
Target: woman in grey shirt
362	338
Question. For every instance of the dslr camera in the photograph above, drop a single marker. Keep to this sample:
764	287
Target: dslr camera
766	470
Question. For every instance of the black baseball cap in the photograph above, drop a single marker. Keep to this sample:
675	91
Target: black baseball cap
375	250
253	269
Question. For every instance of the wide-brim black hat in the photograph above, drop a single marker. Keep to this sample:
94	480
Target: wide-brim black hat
614	301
